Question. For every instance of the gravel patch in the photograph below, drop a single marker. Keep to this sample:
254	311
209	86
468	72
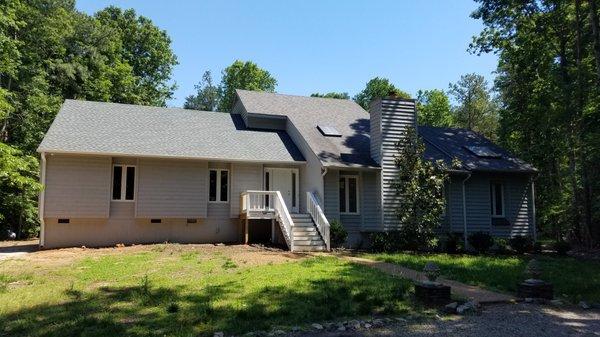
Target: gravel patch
493	321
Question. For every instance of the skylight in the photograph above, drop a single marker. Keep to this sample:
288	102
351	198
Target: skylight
483	151
329	131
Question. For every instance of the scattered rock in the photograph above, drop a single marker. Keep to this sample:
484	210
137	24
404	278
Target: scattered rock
317	326
367	326
377	321
466	307
528	300
584	305
278	332
218	333
451	308
401	320
354	324
557	302
295	328
329	326
341	327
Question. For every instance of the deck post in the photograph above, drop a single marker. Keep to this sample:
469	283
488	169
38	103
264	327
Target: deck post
246	236
272	230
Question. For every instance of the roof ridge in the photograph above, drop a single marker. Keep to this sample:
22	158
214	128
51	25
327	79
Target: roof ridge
294	95
145	106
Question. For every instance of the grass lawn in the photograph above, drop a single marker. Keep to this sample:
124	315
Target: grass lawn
172	290
573	279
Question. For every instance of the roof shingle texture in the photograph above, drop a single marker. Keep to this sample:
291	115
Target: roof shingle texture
449	143
133	130
352	149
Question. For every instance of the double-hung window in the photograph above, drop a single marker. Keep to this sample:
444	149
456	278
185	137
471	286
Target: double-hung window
218	190
497	199
349	194
123	184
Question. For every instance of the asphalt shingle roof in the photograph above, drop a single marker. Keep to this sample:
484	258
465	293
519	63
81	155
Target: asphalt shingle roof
123	129
352	149
448	143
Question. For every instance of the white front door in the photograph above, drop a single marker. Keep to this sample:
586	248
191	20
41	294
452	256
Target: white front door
284	180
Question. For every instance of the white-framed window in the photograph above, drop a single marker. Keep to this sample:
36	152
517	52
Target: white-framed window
349	203
218	185
497	199
123	183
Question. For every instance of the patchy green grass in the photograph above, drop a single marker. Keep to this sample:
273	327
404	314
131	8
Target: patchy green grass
157	292
573	279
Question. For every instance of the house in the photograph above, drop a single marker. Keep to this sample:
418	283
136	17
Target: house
277	167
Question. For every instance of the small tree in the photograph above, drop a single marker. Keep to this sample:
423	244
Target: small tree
420	186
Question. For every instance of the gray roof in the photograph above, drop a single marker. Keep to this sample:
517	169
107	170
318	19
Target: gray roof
448	143
352	149
134	130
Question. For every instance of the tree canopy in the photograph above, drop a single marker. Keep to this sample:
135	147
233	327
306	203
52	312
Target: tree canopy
376	88
243	75
338	95
433	108
206	97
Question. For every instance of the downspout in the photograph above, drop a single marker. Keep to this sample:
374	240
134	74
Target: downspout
464	197
533	220
42	198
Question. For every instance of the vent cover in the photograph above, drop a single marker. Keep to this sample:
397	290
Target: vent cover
483	151
329	131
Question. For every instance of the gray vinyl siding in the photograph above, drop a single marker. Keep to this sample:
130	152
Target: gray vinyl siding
331	201
375	132
244	177
172	189
478	204
371	201
517	195
455	211
311	179
77	186
395	117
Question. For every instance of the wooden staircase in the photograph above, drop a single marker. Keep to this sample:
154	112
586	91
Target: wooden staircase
305	235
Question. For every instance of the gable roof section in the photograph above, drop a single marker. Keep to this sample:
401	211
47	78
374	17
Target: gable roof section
352	149
85	127
448	143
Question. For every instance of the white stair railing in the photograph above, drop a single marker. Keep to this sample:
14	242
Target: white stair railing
318	217
270	201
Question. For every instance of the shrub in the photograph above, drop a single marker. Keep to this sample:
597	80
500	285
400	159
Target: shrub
562	247
453	243
173	307
338	234
481	242
387	241
521	244
537	247
501	246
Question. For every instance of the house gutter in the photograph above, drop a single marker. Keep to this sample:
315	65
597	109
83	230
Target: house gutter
464	197
42	198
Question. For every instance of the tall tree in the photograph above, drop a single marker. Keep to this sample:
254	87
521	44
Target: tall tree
243	75
338	95
206	97
376	88
476	109
433	108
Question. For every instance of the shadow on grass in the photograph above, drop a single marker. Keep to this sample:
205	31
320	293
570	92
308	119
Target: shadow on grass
226	306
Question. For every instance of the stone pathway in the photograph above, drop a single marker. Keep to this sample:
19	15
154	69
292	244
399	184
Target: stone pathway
474	293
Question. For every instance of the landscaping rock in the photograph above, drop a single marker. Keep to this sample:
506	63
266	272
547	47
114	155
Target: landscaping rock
377	321
218	334
278	332
341	328
317	326
368	326
451	308
354	324
584	305
466	307
295	328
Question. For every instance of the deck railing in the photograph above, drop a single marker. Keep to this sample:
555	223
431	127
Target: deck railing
318	217
266	202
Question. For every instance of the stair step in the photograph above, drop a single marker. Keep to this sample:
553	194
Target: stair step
316	242
301	248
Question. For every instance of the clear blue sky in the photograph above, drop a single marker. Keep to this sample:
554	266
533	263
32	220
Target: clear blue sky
318	46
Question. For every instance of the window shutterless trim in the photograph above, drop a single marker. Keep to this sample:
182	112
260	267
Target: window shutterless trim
123	182
346	179
493	199
218	186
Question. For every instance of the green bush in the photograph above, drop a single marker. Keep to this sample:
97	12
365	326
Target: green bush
562	247
521	244
501	246
481	242
453	243
338	234
388	242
